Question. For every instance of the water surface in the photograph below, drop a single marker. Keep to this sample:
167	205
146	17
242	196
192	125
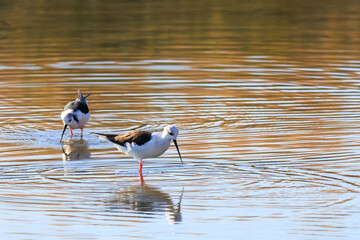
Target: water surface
265	95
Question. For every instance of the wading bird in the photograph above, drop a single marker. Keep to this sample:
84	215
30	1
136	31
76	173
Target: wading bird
76	114
141	144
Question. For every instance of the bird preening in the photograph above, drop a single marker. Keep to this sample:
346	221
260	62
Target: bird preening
76	114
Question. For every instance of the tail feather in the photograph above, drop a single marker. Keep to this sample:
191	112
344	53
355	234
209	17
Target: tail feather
101	136
108	138
81	97
97	134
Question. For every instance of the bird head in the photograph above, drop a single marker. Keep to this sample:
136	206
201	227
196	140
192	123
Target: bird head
171	132
69	120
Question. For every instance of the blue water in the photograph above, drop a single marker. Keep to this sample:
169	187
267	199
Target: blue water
265	95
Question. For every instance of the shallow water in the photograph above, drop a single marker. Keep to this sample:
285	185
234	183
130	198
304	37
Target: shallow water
265	95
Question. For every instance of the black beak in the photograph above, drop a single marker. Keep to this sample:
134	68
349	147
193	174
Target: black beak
65	126
177	148
87	95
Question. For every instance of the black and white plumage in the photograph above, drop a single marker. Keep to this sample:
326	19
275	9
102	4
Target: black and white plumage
76	114
141	144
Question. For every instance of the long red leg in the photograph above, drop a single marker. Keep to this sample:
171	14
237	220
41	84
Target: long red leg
140	169
81	133
71	132
142	182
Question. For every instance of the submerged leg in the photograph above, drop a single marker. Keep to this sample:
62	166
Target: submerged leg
142	182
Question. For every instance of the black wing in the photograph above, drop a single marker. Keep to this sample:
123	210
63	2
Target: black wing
77	105
139	137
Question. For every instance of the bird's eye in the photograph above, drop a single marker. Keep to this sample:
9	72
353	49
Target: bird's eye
171	133
70	120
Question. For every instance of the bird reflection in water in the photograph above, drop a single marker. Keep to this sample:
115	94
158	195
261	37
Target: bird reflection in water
147	200
76	149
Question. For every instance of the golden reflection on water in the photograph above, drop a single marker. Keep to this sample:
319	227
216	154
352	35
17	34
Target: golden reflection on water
146	200
265	95
75	149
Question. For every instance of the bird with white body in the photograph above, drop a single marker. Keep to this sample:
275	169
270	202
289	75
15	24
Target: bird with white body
141	144
76	114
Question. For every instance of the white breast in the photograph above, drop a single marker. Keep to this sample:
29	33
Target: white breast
83	118
154	148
